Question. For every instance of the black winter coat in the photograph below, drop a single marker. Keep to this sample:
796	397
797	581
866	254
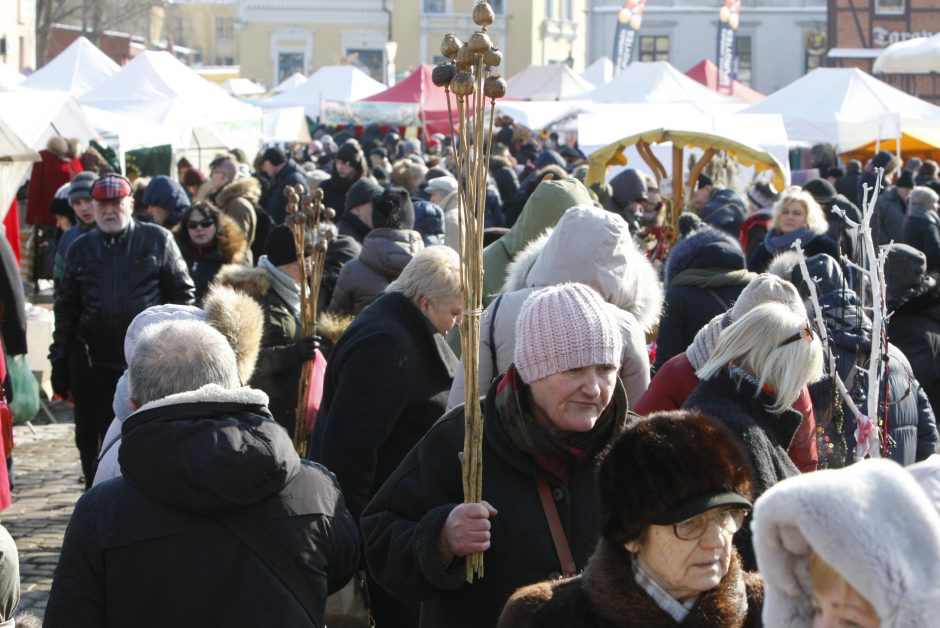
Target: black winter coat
13	315
914	327
507	183
276	203
386	384
148	549
822	243
922	231
342	249
402	524
110	279
230	247
334	193
766	437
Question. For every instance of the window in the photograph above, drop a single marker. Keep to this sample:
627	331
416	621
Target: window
499	6
891	7
225	60
744	59
654	48
434	6
549	8
224	28
567	10
288	63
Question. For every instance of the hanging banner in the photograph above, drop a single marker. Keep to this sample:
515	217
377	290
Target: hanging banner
628	23
727	60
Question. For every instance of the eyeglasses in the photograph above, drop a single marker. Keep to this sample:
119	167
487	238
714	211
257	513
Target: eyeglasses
805	332
205	223
730	520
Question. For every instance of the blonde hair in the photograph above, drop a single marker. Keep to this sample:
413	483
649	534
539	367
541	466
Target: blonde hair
756	343
825	579
408	174
815	218
434	273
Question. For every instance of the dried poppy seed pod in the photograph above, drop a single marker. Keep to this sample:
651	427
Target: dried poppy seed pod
328	234
463	84
328	213
494	86
443	74
464	57
479	43
320	246
483	14
492	57
450	45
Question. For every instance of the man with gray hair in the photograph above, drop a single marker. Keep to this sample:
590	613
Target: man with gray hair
922	225
216	520
236	196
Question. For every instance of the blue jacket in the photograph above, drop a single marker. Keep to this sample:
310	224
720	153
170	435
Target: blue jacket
164	192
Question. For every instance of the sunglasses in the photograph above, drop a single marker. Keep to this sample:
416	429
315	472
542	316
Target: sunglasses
205	223
805	332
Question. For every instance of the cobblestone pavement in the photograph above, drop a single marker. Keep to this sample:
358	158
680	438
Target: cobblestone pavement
48	483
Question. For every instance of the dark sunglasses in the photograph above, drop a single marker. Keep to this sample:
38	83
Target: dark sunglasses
205	223
806	332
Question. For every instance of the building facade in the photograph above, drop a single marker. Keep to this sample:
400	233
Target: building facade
778	40
18	34
860	29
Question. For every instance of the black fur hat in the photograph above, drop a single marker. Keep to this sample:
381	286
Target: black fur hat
664	465
393	209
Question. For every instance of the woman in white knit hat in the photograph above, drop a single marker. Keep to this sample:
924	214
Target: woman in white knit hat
556	407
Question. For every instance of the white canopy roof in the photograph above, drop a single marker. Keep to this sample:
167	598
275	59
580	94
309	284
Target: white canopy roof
653	82
36	116
331	82
546	82
161	101
15	160
242	87
599	72
294	80
9	78
78	69
846	107
920	55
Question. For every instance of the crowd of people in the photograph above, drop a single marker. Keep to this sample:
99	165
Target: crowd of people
663	444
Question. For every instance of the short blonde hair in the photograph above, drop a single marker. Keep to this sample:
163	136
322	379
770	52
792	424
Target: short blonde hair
408	174
434	273
826	579
760	343
815	218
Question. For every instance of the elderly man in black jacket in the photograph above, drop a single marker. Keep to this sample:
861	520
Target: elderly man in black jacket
283	172
111	275
212	497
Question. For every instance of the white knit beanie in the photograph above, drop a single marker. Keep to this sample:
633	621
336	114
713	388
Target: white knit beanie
564	327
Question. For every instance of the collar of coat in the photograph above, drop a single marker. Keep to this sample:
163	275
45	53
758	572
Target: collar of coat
210	393
616	597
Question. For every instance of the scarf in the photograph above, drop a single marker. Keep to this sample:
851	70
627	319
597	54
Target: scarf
705	341
775	242
284	286
712	278
559	457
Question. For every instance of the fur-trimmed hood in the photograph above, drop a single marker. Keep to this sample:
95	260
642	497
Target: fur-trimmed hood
246	187
594	247
231	243
872	522
240	319
254	282
704	248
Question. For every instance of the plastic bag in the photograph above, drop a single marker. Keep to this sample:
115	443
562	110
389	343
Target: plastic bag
25	403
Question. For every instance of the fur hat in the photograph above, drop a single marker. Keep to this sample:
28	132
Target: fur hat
906	275
240	319
671	463
392	209
279	246
363	191
564	327
821	190
906	180
859	520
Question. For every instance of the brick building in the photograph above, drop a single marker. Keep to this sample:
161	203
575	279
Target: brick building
859	30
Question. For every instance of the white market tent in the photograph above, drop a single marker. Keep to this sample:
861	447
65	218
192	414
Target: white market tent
36	116
16	158
9	78
156	100
285	125
78	69
344	83
546	82
847	108
242	87
599	72
653	82
294	80
920	55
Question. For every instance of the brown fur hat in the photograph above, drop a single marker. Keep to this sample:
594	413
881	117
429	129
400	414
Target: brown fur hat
241	320
663	460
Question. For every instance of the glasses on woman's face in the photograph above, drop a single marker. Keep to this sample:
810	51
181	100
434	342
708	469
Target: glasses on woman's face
729	519
205	223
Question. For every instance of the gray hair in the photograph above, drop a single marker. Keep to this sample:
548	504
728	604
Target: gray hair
180	356
923	196
434	273
759	343
815	218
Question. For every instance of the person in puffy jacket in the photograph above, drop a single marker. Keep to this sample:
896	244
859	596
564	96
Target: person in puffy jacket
208	479
165	201
386	250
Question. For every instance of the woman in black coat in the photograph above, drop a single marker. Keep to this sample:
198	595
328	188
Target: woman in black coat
749	383
546	419
704	276
797	216
208	240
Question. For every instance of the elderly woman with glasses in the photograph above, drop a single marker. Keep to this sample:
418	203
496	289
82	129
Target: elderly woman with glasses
208	240
674	489
754	374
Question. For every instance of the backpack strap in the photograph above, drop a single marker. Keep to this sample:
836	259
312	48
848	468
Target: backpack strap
492	336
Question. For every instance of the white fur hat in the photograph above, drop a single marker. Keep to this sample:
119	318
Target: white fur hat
872	522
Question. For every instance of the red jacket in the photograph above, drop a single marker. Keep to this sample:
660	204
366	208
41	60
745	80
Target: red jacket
675	381
48	176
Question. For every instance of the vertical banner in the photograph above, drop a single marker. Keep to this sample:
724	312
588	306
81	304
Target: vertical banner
628	23
728	19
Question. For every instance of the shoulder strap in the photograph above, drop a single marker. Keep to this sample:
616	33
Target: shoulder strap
724	305
493	335
275	558
558	532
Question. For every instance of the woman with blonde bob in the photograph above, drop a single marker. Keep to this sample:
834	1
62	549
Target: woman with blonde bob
868	537
797	216
750	381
